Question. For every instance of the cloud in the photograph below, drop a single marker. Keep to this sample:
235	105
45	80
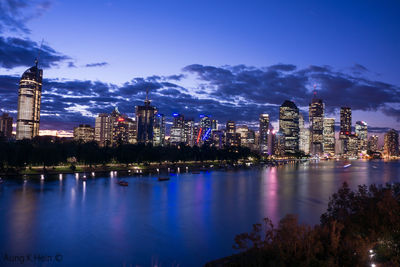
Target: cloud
98	64
237	93
17	52
16	13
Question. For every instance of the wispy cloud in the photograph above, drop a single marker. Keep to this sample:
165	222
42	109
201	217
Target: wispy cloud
99	64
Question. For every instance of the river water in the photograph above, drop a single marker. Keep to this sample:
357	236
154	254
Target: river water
187	221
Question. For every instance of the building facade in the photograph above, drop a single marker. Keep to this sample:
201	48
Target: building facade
289	125
316	116
6	125
102	129
329	136
263	133
159	130
144	121
84	133
29	99
391	143
361	130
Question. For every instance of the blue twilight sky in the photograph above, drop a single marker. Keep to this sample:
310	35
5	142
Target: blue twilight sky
230	59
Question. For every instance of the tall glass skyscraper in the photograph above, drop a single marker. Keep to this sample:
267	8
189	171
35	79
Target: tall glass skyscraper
316	116
30	92
289	125
264	127
159	130
145	120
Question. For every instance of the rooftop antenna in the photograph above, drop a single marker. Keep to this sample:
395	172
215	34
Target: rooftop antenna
38	56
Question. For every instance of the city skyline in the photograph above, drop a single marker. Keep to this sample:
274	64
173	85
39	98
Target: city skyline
75	89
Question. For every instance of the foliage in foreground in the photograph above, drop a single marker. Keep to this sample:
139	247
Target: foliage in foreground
359	228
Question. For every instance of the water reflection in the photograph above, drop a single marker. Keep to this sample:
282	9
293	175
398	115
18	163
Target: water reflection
188	220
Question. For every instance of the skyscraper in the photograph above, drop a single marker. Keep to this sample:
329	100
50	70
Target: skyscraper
102	129
6	125
232	138
289	125
178	129
263	130
304	136
29	96
189	132
345	121
362	134
144	121
316	116
329	136
391	145
159	130
203	132
373	143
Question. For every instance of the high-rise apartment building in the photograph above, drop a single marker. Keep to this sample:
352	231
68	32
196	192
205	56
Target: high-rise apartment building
289	126
29	97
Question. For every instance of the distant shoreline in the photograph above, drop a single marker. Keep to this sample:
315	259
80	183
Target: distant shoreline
138	169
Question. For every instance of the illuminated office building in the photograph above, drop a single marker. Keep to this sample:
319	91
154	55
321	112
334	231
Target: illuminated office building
29	96
361	130
232	138
329	136
84	133
304	136
263	133
289	125
352	145
177	133
391	143
316	116
102	129
203	131
373	143
159	130
189	135
345	122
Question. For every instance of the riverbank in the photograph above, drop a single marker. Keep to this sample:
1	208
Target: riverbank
137	169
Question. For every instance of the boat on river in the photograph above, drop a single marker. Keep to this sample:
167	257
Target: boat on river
163	178
122	183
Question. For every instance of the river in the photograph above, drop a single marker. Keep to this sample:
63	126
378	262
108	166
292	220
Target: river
186	221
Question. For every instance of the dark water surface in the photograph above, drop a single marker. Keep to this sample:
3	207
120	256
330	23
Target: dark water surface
187	221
